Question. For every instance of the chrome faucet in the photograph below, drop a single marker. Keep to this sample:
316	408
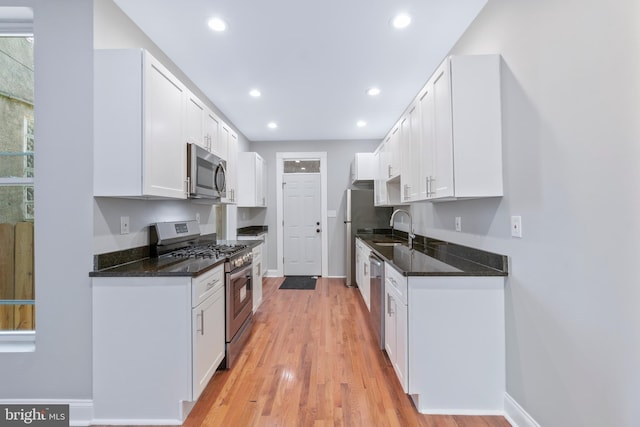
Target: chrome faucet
410	234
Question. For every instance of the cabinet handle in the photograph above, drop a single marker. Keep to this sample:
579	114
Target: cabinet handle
212	283
202	321
388	171
365	269
188	184
201	316
390	308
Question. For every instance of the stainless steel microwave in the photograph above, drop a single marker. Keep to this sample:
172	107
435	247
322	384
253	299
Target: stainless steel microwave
206	174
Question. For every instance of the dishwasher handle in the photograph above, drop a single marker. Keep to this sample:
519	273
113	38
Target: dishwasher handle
376	265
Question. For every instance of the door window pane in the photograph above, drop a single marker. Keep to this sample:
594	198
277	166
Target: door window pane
302	166
17	171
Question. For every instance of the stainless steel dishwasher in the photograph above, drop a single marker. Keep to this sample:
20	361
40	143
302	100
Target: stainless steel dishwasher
377	297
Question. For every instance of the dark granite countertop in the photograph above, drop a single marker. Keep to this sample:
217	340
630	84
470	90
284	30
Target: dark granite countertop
137	263
432	257
253	230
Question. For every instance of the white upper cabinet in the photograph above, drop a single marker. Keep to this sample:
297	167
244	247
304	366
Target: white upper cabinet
195	121
465	126
411	155
391	152
212	129
387	182
251	182
363	167
229	139
140	148
204	127
380	181
450	137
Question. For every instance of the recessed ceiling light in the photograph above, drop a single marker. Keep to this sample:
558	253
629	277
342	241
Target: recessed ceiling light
361	123
217	24
272	125
255	93
401	21
373	91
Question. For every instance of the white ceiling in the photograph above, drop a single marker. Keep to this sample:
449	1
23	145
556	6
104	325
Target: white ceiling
312	60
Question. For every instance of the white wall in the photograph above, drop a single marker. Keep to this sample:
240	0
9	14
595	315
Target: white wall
339	156
60	367
571	98
113	29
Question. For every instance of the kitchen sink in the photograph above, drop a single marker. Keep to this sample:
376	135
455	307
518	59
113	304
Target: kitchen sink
389	243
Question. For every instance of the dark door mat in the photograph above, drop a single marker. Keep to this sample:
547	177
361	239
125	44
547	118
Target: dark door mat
299	282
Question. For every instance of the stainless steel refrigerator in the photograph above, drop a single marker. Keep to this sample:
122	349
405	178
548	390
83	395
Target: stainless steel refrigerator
361	214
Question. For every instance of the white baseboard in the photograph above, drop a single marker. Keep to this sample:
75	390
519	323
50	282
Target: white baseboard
80	410
516	415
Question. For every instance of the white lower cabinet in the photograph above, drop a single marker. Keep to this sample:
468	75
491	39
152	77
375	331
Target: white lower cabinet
395	326
207	327
155	346
363	275
445	337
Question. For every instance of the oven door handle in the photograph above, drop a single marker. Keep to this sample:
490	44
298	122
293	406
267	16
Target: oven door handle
244	272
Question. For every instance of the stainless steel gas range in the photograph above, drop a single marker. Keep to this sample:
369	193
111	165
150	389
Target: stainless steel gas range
182	241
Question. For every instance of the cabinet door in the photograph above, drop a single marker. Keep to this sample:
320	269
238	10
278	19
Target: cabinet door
390	324
194	123
411	154
261	179
401	359
392	149
230	140
366	277
164	167
358	263
425	170
212	134
379	181
232	164
208	340
442	182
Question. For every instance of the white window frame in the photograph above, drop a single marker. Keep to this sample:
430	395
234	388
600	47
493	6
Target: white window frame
17	341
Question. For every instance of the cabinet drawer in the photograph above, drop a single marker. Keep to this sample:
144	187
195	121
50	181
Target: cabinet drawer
257	251
206	284
397	280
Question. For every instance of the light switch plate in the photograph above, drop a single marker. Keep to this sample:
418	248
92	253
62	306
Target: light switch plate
516	226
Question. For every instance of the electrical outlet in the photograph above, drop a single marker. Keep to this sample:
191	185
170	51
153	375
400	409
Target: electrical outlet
516	226
458	223
124	225
198	217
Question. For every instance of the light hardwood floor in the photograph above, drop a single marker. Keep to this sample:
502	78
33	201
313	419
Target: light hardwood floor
312	360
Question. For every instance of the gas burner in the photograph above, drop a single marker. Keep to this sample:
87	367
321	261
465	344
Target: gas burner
212	251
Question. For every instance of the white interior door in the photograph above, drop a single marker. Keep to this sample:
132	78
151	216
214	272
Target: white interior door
302	224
